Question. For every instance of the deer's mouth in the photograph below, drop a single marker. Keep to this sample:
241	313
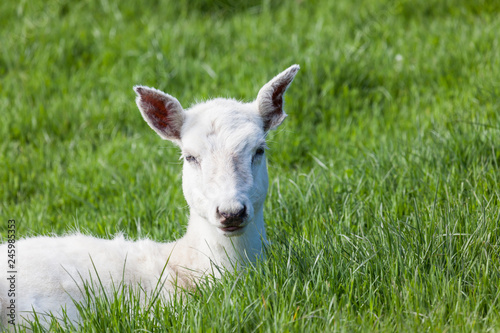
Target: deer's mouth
232	228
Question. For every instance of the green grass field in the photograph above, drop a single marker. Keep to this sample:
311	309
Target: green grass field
384	199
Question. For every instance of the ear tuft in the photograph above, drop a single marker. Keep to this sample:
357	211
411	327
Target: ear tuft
162	112
270	98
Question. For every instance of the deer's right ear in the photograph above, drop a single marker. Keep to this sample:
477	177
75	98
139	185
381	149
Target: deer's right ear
162	112
270	99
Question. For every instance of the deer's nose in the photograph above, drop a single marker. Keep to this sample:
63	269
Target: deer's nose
232	216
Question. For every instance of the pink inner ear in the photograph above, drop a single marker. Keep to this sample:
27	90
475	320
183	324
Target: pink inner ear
278	97
275	114
157	110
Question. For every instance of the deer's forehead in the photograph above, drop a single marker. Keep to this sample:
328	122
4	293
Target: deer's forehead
224	129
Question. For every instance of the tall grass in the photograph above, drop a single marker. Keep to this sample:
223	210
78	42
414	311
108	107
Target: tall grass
384	204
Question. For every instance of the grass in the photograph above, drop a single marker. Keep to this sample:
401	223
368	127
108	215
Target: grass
384	203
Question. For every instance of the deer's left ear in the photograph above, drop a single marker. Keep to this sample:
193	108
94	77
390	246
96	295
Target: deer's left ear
270	98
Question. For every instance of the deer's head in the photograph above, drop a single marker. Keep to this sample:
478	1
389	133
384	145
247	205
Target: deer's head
223	146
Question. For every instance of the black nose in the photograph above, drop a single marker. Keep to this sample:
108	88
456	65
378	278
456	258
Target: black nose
232	217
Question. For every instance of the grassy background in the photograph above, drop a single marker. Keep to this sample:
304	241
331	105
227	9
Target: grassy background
384	203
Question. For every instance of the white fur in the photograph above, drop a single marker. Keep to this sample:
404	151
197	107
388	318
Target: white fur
225	184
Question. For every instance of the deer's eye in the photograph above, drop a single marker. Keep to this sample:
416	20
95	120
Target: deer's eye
258	153
191	159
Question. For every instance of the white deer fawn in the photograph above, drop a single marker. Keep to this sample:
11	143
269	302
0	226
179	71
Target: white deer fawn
225	183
